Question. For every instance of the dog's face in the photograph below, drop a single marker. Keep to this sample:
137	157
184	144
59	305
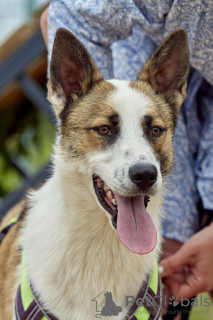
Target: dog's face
120	132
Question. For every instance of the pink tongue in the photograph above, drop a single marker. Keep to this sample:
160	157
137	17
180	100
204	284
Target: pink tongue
134	225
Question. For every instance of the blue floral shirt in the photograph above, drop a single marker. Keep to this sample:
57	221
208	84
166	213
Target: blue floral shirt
121	35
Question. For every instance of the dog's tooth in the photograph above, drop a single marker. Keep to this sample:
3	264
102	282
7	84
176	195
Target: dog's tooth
114	202
106	188
109	194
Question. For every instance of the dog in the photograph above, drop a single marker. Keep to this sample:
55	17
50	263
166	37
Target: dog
94	226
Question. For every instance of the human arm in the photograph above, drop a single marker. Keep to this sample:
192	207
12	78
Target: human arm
190	270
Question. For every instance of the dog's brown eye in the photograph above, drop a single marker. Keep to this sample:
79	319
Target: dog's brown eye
104	130
156	131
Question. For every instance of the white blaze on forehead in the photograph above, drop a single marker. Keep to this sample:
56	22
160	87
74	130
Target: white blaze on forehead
131	146
130	103
131	106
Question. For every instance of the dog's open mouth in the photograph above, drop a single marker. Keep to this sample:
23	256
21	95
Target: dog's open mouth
129	217
106	198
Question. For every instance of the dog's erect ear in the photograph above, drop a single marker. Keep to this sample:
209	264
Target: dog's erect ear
168	67
72	71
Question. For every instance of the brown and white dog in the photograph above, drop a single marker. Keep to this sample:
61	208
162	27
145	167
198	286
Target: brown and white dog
87	229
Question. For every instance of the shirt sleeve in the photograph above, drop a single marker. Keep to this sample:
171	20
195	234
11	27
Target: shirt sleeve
97	24
204	159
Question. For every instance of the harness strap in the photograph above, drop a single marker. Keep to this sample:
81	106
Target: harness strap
32	313
149	306
28	306
11	224
45	314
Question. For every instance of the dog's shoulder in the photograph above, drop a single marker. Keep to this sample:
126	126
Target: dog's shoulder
12	214
10	258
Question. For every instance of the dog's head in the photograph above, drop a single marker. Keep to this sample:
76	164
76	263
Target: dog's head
119	133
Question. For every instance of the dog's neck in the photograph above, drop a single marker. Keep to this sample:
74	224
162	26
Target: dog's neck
71	247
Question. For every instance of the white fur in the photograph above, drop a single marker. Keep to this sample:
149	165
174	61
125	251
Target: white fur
72	251
131	148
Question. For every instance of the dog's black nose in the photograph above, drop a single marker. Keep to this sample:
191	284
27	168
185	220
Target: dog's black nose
143	175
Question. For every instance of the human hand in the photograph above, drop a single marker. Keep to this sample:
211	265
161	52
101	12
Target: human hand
190	270
169	247
43	24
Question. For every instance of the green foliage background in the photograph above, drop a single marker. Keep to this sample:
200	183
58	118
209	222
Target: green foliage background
26	139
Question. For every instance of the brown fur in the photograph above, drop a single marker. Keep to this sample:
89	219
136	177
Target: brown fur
13	213
167	69
10	259
165	117
165	73
79	124
78	72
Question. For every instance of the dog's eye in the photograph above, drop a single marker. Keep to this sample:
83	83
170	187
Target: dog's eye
104	130
156	131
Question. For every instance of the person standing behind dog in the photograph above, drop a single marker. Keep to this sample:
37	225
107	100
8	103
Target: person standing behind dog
114	32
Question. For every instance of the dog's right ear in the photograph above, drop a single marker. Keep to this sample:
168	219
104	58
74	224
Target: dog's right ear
72	71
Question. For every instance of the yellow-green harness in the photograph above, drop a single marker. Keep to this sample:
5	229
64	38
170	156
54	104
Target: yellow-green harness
147	306
150	297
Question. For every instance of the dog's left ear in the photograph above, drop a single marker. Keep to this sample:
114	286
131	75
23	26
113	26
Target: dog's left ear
72	71
167	69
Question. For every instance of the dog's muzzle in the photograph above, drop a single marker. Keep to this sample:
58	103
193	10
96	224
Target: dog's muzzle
134	226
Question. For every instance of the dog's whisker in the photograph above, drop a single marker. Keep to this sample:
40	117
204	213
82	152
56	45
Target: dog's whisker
164	169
